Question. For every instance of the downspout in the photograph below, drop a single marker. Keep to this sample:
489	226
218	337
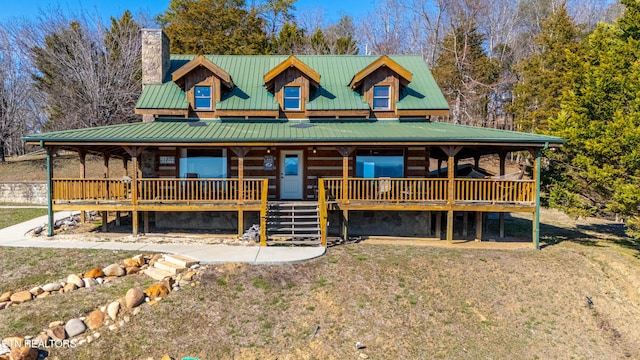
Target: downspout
537	213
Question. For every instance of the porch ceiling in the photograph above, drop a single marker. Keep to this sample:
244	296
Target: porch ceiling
177	132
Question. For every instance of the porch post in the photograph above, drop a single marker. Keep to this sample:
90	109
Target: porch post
479	216
105	157
345	152
536	214
50	223
427	171
451	152
82	153
240	152
476	162
134	152
503	159
125	165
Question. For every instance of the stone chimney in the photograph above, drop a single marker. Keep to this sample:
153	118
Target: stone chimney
155	56
155	59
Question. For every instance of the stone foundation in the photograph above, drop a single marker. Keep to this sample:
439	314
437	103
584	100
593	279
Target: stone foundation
218	222
383	223
24	192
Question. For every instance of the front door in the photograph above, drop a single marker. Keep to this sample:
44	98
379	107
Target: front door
291	175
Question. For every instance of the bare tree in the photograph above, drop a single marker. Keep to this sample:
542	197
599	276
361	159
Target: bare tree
385	30
89	75
19	112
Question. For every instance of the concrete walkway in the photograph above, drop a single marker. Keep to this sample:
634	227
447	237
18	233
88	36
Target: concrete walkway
14	236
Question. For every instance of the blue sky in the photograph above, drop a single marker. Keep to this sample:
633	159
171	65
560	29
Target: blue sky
11	9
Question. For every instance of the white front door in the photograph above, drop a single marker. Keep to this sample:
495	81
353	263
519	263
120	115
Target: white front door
291	174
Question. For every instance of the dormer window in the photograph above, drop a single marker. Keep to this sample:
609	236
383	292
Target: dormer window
292	99
202	97
381	97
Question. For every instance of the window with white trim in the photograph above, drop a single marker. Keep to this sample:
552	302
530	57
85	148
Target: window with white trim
382	97
202	97
291	98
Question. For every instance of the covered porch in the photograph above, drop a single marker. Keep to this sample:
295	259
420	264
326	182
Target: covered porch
344	177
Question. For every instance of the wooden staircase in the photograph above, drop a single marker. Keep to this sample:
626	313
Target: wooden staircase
293	222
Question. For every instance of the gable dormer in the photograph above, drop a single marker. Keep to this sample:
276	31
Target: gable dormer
291	83
380	84
203	83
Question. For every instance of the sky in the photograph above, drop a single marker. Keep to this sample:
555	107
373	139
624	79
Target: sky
16	9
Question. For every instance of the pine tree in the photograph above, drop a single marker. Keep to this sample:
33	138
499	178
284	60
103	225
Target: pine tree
223	27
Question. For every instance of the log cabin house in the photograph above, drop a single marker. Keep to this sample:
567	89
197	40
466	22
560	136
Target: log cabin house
306	146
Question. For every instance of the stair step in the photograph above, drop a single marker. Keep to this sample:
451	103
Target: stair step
156	273
169	266
292	223
181	260
296	229
294	242
294	216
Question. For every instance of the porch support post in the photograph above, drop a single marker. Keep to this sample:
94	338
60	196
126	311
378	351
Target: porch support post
82	153
451	152
125	165
240	153
345	151
536	213
105	220
438	225
134	152
476	162
50	223
105	157
479	216
145	221
465	223
503	160
427	163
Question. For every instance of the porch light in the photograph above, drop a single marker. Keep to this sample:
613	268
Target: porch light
268	150
315	150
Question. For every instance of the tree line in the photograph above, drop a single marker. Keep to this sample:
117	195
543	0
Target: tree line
561	67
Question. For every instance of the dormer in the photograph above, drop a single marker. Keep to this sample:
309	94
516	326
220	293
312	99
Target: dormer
380	84
291	83
203	83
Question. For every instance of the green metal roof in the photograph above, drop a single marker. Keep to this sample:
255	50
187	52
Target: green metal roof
165	96
334	93
243	131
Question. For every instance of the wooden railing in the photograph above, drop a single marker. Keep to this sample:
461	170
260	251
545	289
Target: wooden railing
322	206
91	189
158	190
495	191
408	190
388	189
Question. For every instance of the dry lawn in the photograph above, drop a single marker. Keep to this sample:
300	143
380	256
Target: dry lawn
64	166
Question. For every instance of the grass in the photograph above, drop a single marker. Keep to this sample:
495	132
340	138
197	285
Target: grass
14	216
399	301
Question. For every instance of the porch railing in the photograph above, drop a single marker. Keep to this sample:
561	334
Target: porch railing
91	189
410	190
495	191
158	190
388	189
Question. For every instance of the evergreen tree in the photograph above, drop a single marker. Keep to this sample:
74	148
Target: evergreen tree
223	27
544	76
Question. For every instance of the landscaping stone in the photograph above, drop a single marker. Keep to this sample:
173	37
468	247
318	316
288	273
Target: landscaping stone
167	357
75	327
43	295
110	278
4	349
56	323
6	296
89	282
130	270
157	290
75	279
188	275
95	319
94	273
23	353
57	333
99	280
113	309
131	262
41	339
154	258
36	291
51	287
68	287
134	297
20	297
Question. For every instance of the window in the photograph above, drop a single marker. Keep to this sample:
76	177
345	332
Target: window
203	163
291	165
291	98
381	97
379	163
202	98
